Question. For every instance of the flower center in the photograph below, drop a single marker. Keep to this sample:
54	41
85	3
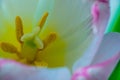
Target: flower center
31	44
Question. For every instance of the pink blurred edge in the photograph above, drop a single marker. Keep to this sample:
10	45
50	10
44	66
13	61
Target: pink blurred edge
105	67
3	62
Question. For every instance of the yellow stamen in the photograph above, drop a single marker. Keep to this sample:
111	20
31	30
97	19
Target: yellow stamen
32	45
49	39
7	47
43	20
19	28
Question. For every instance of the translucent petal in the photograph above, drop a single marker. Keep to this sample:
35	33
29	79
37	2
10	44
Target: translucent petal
23	8
100	12
109	47
14	71
72	22
99	71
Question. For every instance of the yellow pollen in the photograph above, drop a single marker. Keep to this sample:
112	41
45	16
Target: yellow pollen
49	39
43	20
7	47
32	45
19	28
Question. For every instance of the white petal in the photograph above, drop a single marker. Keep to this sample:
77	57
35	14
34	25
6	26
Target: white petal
99	71
109	47
14	71
72	22
23	8
88	56
99	25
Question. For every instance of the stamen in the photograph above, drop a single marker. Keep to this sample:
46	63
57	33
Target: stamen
49	39
7	47
19	28
31	43
43	20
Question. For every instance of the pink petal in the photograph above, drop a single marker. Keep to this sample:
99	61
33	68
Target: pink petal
100	12
104	61
109	47
10	70
99	71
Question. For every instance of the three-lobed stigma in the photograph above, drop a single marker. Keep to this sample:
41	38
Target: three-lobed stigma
31	44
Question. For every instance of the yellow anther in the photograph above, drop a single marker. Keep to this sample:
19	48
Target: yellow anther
19	28
31	45
49	39
7	47
43	20
40	64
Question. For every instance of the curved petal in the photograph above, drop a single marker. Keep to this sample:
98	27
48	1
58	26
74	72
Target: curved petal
104	61
73	26
100	12
99	71
109	47
14	71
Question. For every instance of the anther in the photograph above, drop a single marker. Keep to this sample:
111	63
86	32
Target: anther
43	20
49	39
19	28
7	47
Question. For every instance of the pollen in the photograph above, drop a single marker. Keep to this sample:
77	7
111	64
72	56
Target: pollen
49	39
43	20
19	28
7	47
32	44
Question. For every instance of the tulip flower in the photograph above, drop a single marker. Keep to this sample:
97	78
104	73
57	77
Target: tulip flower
56	40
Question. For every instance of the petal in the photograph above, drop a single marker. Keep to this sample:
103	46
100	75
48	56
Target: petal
99	71
100	12
104	61
73	26
15	71
109	47
23	8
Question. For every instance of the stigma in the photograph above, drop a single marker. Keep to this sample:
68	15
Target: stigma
31	44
